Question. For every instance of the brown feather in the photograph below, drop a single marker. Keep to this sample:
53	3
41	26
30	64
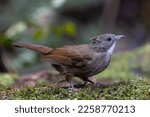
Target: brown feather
69	55
58	59
38	48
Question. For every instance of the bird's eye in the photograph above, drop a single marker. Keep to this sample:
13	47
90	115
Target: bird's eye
94	42
109	39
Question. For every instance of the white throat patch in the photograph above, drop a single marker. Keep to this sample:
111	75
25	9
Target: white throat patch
111	49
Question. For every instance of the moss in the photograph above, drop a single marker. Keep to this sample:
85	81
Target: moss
128	89
7	79
4	92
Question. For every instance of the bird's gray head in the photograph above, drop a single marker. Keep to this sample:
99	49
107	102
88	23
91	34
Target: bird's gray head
105	42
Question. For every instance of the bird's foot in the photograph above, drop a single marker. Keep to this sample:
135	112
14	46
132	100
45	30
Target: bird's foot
88	82
73	89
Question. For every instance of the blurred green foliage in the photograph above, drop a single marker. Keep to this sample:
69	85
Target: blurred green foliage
67	28
42	22
7	79
5	41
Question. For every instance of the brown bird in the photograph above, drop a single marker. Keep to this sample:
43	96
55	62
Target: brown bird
83	60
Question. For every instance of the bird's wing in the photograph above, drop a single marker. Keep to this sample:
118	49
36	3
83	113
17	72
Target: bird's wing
69	55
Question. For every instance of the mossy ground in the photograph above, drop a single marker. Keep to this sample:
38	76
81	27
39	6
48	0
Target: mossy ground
129	89
129	71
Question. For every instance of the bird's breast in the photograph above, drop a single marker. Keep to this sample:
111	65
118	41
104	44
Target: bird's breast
99	63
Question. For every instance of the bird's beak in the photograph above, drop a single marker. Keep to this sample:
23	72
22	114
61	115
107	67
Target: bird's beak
119	37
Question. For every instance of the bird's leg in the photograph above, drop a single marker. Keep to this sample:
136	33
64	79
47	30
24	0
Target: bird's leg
68	78
62	71
87	80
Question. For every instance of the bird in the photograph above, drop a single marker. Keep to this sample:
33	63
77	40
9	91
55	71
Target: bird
83	61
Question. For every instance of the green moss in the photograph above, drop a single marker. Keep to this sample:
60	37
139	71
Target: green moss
7	79
129	89
4	92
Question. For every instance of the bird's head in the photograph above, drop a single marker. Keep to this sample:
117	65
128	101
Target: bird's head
105	42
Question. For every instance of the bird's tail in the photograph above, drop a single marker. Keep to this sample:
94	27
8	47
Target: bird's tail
34	47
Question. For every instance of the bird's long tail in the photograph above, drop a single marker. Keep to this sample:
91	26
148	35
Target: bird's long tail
34	47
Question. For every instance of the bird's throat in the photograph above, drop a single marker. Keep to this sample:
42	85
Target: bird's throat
111	49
